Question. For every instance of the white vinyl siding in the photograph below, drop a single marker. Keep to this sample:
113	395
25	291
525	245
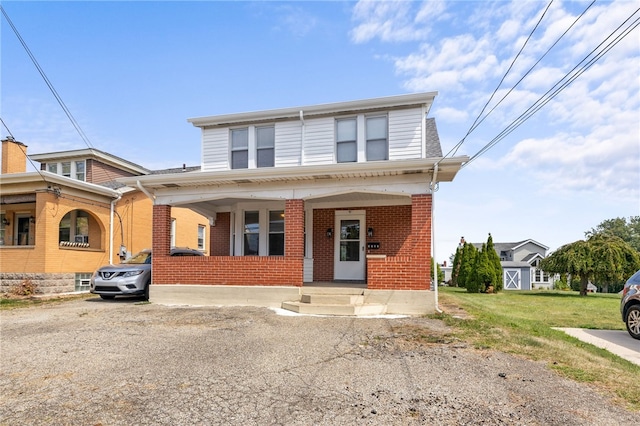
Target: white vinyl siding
289	145
319	141
215	149
405	134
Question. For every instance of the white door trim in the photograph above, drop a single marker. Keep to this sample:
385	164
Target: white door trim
354	270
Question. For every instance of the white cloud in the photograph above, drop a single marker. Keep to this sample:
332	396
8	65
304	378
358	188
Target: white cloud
296	20
394	21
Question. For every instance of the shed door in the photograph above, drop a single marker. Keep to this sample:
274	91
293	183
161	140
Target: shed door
512	279
349	263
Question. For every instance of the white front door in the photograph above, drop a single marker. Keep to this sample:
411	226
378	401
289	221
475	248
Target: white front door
350	262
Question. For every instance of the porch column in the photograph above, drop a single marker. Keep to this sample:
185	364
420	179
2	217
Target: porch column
161	239
294	228
421	234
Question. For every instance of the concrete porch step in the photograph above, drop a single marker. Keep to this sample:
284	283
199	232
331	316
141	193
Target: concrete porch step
335	308
328	299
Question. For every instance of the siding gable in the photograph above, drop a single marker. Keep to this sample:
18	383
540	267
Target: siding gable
405	134
215	149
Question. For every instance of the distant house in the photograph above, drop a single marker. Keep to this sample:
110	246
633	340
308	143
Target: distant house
520	265
61	223
334	193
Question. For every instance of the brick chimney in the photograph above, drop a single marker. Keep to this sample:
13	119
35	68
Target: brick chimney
14	156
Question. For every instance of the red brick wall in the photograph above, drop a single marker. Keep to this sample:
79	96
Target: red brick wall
220	235
161	238
411	271
294	229
228	270
391	228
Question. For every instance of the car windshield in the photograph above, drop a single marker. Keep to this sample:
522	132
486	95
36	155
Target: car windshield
139	259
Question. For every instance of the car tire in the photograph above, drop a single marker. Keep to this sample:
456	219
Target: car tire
145	296
107	296
633	321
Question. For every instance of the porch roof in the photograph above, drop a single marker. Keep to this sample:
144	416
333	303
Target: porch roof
447	169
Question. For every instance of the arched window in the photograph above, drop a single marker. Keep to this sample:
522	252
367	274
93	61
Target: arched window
79	229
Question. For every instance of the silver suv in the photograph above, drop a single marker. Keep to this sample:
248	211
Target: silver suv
131	277
630	305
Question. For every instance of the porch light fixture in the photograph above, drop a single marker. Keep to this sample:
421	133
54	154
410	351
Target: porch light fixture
5	222
369	232
32	219
329	232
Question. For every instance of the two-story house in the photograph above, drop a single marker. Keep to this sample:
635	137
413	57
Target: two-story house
61	223
520	265
336	193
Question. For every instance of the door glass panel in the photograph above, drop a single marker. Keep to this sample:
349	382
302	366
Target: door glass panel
349	240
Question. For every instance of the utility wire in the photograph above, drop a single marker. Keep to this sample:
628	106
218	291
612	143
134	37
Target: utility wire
475	123
588	61
47	81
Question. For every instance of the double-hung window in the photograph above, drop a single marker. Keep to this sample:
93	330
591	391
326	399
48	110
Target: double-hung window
240	148
201	237
52	167
251	233
346	145
66	169
377	140
276	233
80	172
265	142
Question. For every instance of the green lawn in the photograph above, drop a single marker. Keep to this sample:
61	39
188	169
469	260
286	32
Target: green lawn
522	323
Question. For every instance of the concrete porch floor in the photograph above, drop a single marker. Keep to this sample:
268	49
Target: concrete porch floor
326	298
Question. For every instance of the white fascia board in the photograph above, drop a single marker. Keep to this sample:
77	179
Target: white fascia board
83	154
522	243
414	99
43	178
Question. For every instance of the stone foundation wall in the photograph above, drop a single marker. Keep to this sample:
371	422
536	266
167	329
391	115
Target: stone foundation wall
45	283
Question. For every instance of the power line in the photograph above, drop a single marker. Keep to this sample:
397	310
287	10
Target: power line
23	151
587	62
475	123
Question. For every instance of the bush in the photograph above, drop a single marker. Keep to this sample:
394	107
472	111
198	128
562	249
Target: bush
25	288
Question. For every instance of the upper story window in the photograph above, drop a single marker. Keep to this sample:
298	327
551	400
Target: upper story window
66	169
80	172
71	169
265	143
240	148
346	140
377	140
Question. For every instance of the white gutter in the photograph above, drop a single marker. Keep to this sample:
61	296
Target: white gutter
147	193
434	188
113	203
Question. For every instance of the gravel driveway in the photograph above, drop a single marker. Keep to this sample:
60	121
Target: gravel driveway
94	362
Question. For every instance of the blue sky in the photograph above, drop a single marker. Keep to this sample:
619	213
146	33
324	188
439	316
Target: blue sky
132	73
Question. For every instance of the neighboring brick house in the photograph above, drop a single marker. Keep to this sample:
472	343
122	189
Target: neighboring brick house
337	192
60	224
520	261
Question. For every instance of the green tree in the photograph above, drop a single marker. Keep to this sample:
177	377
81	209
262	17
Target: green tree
469	253
483	274
494	259
619	227
440	274
602	258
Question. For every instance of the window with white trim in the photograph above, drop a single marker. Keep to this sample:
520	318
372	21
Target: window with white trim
240	148
80	170
66	169
265	146
276	233
251	233
201	237
377	140
346	140
52	168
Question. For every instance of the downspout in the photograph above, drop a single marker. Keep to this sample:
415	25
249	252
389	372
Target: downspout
434	187
113	204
